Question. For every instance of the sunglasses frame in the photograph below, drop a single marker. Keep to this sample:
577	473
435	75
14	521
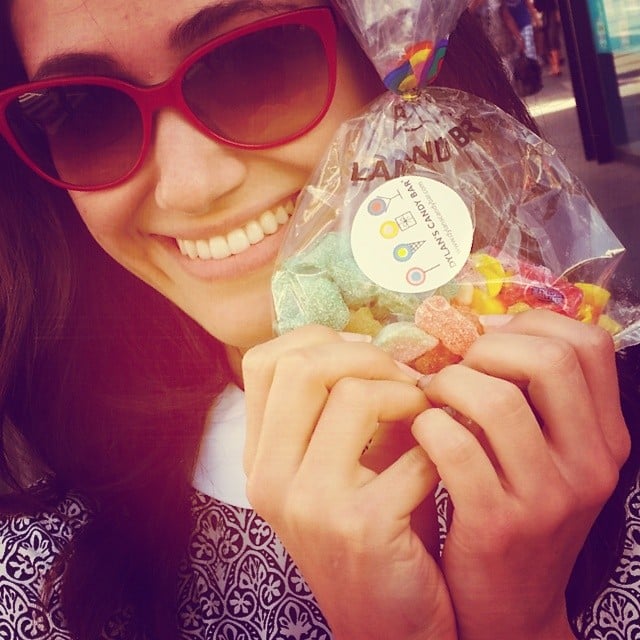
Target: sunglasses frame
151	99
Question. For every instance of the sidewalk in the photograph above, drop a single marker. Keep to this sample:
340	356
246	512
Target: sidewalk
614	186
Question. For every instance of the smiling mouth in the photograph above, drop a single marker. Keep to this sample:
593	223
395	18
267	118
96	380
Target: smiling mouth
240	239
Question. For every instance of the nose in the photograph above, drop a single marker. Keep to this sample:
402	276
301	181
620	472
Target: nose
193	170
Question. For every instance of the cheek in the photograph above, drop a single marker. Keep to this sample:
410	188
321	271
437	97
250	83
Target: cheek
107	215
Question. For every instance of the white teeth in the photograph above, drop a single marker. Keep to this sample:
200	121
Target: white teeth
268	222
238	240
254	232
281	215
219	248
202	246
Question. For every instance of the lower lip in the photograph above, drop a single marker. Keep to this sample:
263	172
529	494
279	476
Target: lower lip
254	258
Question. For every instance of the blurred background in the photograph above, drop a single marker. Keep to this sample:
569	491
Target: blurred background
588	105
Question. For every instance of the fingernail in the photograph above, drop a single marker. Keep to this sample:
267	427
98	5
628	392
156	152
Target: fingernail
423	381
355	337
416	375
496	321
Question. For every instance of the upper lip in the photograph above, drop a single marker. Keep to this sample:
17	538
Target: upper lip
229	224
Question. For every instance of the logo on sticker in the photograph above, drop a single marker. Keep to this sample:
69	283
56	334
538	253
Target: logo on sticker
412	234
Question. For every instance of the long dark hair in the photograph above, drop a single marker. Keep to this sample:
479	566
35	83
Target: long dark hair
94	365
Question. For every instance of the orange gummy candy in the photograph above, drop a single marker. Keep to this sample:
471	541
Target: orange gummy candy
437	317
435	359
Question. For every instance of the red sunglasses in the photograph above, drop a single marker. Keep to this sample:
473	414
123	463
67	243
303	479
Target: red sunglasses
256	87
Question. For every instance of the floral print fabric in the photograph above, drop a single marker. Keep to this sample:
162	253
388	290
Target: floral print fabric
238	582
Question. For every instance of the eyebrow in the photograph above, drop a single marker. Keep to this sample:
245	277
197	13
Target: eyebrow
77	63
210	18
191	31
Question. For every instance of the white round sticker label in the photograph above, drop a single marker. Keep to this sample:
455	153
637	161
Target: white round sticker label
412	234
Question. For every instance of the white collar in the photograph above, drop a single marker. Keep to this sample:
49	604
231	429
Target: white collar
219	472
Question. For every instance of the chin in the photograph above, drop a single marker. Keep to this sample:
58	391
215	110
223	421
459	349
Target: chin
238	328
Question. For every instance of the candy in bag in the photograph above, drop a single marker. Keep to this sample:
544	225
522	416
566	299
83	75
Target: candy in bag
432	211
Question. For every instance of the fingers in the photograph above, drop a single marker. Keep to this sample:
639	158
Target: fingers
405	485
514	441
258	366
351	416
548	374
543	393
593	350
461	461
313	403
287	382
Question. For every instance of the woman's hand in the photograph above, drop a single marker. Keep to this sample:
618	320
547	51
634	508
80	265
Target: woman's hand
314	403
532	458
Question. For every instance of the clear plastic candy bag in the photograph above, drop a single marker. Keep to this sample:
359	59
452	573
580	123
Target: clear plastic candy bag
433	211
405	39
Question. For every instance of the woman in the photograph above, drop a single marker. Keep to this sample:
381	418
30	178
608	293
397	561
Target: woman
111	400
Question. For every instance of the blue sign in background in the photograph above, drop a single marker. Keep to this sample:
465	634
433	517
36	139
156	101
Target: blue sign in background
616	25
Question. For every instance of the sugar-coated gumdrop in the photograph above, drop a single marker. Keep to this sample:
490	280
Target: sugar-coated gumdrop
437	317
356	289
404	341
435	359
301	299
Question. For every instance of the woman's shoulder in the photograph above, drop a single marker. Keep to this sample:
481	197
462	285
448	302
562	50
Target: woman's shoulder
57	515
32	546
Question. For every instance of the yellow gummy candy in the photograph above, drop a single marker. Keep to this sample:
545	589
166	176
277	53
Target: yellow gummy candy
362	321
491	268
485	304
586	314
519	307
609	324
594	295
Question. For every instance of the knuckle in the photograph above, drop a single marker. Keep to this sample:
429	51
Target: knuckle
461	451
557	507
556	354
418	464
597	339
297	363
604	481
621	446
315	333
349	389
259	494
254	362
506	400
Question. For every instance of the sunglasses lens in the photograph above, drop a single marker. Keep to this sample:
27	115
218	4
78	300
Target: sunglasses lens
84	135
261	88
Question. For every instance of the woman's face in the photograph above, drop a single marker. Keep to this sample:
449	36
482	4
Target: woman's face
191	189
